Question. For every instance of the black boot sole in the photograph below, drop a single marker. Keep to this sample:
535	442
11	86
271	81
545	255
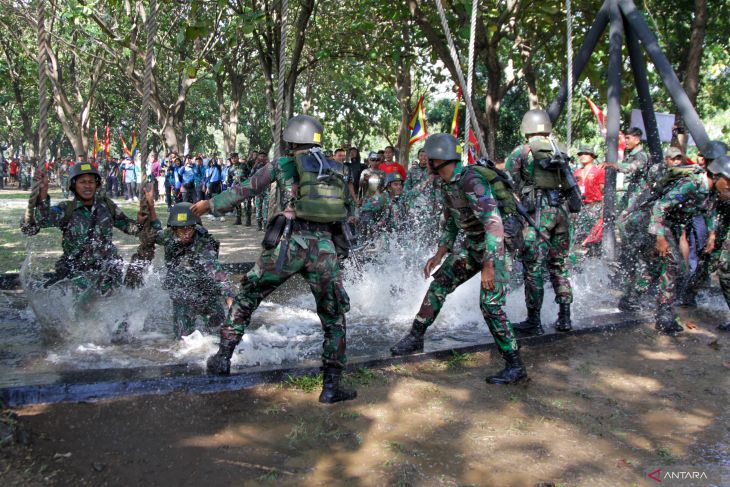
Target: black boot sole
524	378
336	399
529	332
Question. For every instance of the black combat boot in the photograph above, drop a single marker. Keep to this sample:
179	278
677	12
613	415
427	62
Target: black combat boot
666	321
563	323
514	370
238	220
725	327
331	390
532	325
628	304
411	343
248	220
688	299
220	363
260	224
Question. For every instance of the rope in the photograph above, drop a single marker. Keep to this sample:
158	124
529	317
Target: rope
42	92
460	75
282	74
470	75
151	30
569	125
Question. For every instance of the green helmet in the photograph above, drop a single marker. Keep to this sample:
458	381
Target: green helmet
443	146
392	177
181	216
303	129
586	149
714	149
79	169
536	122
720	166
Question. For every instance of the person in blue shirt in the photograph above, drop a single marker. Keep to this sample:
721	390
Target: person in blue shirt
224	175
199	178
130	179
187	177
213	178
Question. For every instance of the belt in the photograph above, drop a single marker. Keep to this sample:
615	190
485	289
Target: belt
311	226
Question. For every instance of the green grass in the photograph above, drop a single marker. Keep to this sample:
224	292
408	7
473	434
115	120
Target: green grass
458	360
270	476
306	383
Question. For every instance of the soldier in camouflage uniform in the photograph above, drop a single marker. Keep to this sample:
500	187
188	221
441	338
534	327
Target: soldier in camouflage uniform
635	167
719	210
313	206
543	194
90	260
469	205
63	177
238	173
262	199
422	196
720	171
194	278
385	212
656	220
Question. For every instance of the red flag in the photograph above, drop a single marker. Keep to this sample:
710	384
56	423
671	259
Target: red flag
473	148
125	149
596	234
598	113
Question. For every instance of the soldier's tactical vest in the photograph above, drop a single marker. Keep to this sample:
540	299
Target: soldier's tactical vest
321	189
543	178
458	206
500	183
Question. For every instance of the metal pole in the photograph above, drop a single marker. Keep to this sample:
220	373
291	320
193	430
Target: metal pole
664	68
580	61
642	89
613	122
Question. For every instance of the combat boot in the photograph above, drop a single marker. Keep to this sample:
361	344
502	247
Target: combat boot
220	363
514	370
331	390
688	300
411	343
260	224
628	304
563	323
248	220
666	321
532	325
238	220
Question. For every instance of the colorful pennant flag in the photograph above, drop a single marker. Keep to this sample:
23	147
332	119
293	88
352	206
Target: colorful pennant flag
473	148
133	147
97	147
455	120
598	113
417	125
125	149
107	142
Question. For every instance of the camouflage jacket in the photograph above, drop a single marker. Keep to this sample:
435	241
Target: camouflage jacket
283	172
87	234
421	190
636	168
469	205
384	212
193	268
684	199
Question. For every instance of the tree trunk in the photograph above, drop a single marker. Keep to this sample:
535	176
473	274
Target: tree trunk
403	92
692	62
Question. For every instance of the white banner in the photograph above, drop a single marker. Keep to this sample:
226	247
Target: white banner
664	121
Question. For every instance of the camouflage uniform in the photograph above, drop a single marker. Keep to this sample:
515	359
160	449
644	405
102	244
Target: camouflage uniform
89	259
635	168
422	196
239	173
555	222
469	206
383	213
719	213
63	179
723	267
679	201
195	279
311	253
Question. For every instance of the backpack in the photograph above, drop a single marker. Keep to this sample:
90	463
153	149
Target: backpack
501	185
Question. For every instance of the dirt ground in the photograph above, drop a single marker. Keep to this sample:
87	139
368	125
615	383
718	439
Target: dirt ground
599	410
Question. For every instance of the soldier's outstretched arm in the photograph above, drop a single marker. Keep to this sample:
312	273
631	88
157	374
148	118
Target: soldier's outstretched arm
227	200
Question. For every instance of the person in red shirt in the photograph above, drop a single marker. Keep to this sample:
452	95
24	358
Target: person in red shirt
389	165
13	172
591	179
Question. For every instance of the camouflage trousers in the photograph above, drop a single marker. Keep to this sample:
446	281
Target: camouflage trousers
247	206
585	221
723	269
262	206
312	255
554	222
651	268
186	310
709	263
455	271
